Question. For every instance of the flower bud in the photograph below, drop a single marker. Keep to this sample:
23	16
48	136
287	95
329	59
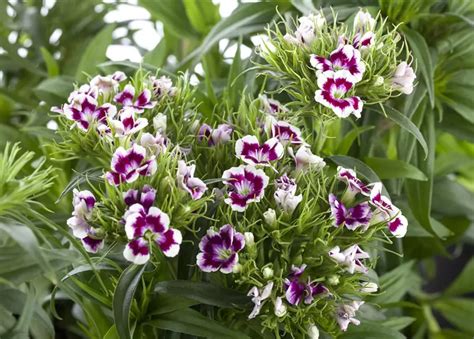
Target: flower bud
267	272
280	308
249	239
333	280
159	122
379	81
270	217
368	287
237	268
313	332
403	78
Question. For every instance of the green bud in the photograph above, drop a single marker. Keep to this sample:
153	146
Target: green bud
333	280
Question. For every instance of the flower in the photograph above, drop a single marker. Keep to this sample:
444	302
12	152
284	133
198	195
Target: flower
204	134
125	98
269	216
127	124
297	291
157	144
387	212
221	134
354	185
350	258
363	41
305	159
285	194
186	180
305	33
403	78
344	58
286	133
143	225
249	239
246	184
368	287
160	122
352	218
162	86
258	296
249	150
280	308
333	88
128	165
346	314
313	332
108	83
271	106
219	250
363	21
145	197
85	111
91	243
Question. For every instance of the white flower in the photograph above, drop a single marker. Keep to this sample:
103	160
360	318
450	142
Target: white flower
313	332
258	296
270	216
304	158
305	33
368	287
403	78
346	314
363	21
287	201
280	308
159	122
249	239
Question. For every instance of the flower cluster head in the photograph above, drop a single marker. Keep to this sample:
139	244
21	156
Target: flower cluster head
83	203
186	180
298	290
146	224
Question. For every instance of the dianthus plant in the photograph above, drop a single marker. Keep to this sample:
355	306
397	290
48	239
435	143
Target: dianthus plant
239	202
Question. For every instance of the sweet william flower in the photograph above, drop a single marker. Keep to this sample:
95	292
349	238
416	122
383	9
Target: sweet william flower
156	144
249	150
219	250
351	258
280	307
258	297
143	101
352	218
92	243
285	195
334	87
286	133
245	184
272	107
128	165
305	159
313	332
305	33
160	122
163	86
298	291
363	41
145	197
346	314
403	78
109	83
83	203
354	184
221	134
127	123
186	180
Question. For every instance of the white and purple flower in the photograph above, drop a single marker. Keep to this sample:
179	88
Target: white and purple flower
285	194
306	31
156	144
109	83
403	78
219	250
143	101
162	86
186	180
352	218
246	184
128	165
351	258
298	290
334	87
258	298
145	197
346	314
272	107
127	123
387	212
249	150
220	135
345	58
287	133
305	159
354	184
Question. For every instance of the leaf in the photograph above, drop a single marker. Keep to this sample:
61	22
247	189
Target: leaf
54	90
157	56
165	303
398	323
405	123
51	64
458	311
346	143
235	80
458	126
94	53
460	99
203	292
463	283
202	14
390	169
371	330
452	199
422	55
191	322
123	296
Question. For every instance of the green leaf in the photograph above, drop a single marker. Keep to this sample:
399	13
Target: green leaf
123	296
165	303
452	199
422	55
458	126
346	143
390	169
405	123
94	53
398	323
463	283
157	56
371	330
203	292
458	311
51	64
460	99
202	14
191	322
54	90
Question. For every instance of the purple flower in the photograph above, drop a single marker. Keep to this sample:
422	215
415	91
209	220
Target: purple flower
108	83
387	212
221	134
186	180
333	89
149	224
346	314
285	194
126	98
249	150
351	258
162	86
353	217
219	250
204	134
298	290
91	243
362	41
156	144
354	185
345	58
287	133
271	106
145	197
246	184
127	124
85	111
128	165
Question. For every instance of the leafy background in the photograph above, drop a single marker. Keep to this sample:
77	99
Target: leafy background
46	47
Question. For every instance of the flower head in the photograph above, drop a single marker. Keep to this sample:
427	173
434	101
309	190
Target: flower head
156	144
298	290
162	86
219	250
354	184
305	159
403	78
250	151
272	107
287	133
351	258
305	33
128	165
246	184
108	83
142	102
258	296
285	195
145	197
127	123
186	180
346	314
364	21
353	217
